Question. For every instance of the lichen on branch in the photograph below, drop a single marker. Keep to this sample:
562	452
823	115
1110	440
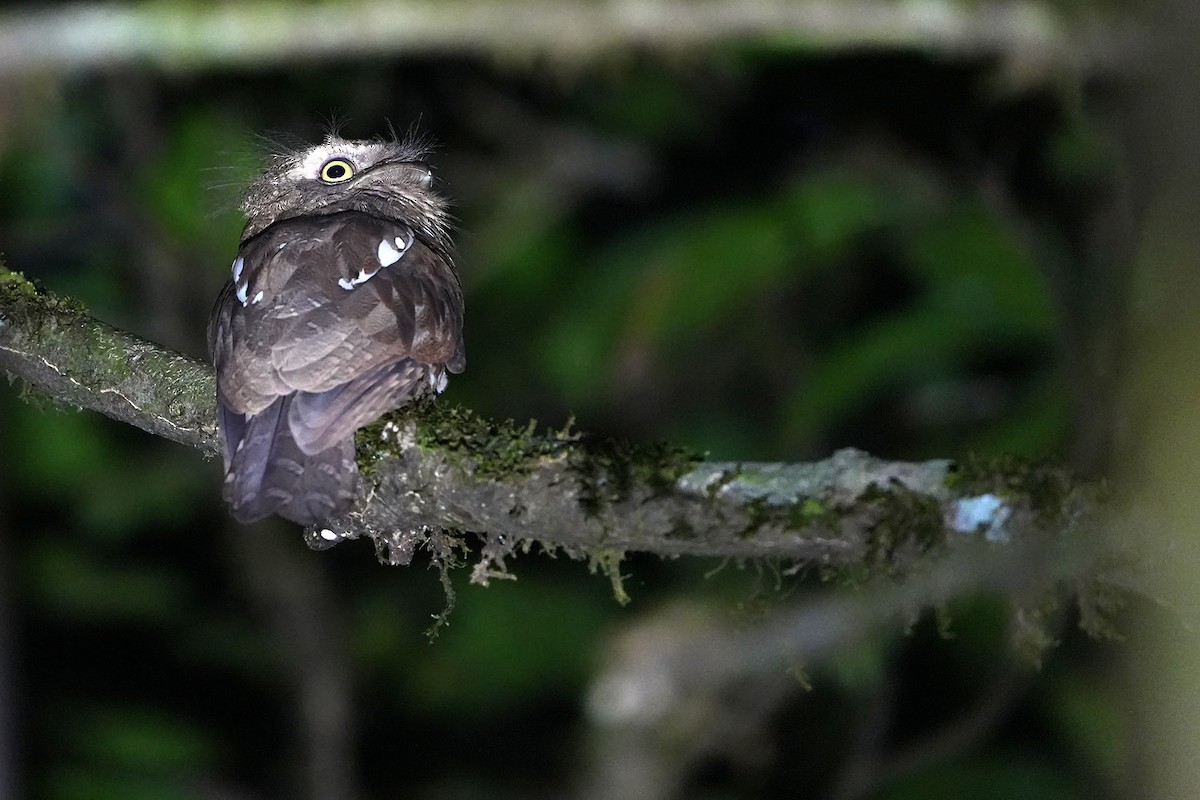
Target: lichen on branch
436	468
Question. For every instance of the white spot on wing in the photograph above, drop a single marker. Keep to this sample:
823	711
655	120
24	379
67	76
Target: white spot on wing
387	254
238	264
329	535
241	292
362	277
257	297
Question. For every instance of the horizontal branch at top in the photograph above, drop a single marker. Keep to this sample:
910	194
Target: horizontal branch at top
1034	37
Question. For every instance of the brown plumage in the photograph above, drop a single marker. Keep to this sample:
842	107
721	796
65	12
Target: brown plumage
343	304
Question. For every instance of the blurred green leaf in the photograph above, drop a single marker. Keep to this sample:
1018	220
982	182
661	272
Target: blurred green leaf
383	634
979	294
508	643
1081	150
155	489
82	784
69	454
232	644
667	283
975	265
60	449
40	184
191	188
891	351
1037	424
140	742
994	778
861	668
646	103
69	583
1091	723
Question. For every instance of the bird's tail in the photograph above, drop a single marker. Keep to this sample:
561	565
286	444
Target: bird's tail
267	473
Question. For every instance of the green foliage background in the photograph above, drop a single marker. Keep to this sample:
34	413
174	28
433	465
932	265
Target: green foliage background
763	253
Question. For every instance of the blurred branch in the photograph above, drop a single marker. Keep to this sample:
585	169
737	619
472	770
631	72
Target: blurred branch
300	608
679	679
436	467
1032	36
13	705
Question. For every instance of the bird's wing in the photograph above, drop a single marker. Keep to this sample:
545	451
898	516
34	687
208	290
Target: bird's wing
319	420
317	303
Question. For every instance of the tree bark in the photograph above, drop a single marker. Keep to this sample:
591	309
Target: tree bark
434	471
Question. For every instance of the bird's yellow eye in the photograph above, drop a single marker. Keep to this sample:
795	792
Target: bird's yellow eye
337	170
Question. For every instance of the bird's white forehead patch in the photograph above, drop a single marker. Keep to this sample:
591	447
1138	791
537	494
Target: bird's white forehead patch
360	154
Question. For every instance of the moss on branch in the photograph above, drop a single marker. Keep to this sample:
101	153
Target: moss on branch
435	472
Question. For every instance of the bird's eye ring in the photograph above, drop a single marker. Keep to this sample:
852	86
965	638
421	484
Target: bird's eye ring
337	170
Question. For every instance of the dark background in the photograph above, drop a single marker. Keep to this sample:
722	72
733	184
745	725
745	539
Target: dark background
761	251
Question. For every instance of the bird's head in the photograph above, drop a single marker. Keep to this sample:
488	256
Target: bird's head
387	179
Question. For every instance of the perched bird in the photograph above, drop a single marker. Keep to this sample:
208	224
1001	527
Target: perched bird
343	304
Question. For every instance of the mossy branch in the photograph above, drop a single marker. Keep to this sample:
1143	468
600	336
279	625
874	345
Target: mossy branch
435	470
53	345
